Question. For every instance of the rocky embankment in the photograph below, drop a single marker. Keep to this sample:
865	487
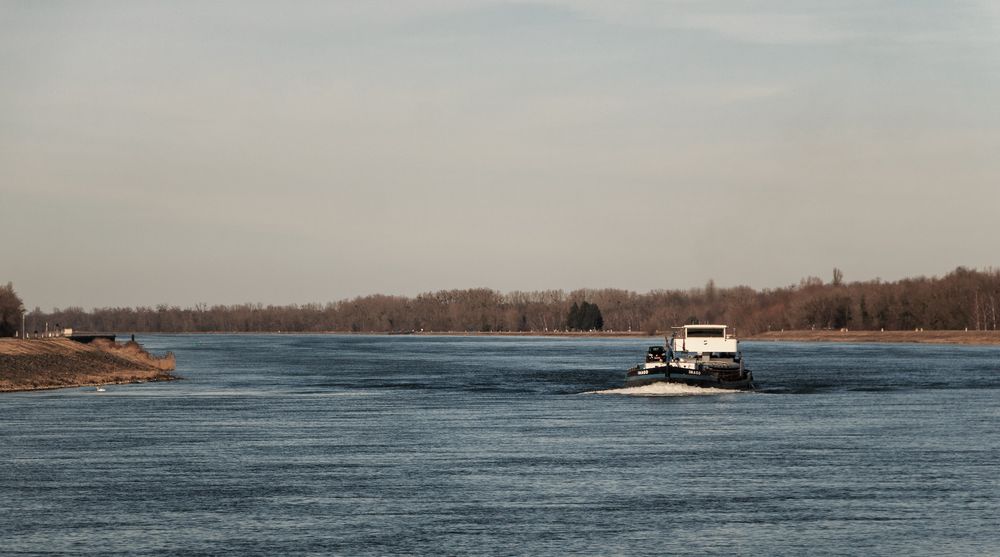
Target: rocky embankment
54	363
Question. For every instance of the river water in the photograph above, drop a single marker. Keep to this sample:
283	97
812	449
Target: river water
375	445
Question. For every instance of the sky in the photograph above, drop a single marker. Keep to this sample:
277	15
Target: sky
278	153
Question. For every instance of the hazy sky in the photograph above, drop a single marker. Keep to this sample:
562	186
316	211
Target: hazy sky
224	152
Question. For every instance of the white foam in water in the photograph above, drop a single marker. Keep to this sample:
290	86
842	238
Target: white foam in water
665	389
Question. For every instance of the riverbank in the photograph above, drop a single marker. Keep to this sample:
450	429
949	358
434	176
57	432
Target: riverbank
932	337
54	363
926	337
568	334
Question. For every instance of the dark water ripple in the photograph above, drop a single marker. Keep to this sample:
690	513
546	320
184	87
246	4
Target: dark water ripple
293	445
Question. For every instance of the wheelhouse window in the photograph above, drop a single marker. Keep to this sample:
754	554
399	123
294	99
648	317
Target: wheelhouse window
706	333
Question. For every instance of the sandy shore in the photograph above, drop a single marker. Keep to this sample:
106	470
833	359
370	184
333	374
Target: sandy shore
27	365
929	337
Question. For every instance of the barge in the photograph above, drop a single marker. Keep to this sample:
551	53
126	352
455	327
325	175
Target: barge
697	355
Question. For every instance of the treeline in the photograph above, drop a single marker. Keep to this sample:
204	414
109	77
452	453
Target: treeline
961	299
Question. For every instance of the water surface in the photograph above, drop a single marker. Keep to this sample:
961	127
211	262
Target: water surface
448	445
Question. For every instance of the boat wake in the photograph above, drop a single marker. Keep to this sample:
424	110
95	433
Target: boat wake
664	389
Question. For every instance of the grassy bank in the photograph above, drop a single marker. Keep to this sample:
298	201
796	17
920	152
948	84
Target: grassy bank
930	337
27	365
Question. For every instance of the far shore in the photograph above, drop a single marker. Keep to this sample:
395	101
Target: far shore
579	334
916	336
825	335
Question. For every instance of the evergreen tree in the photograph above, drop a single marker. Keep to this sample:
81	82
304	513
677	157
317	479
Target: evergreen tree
11	309
589	315
584	317
573	319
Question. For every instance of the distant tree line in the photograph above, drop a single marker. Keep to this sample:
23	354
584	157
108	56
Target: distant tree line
961	299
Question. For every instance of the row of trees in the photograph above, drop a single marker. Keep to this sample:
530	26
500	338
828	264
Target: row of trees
961	299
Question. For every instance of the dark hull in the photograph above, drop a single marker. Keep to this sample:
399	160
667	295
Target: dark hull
740	381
